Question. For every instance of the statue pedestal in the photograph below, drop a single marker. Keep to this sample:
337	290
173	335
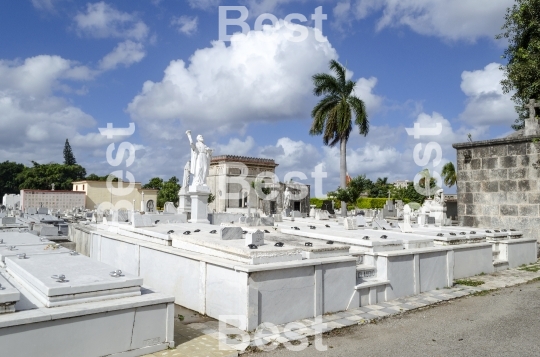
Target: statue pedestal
198	189
184	202
438	212
199	207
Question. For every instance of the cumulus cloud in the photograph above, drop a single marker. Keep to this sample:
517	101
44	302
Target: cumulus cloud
126	53
263	76
450	20
35	122
44	4
186	24
235	147
487	103
364	90
101	20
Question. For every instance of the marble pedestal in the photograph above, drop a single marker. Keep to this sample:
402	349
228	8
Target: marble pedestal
199	207
184	202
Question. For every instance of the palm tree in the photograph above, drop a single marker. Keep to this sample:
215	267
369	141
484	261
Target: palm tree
332	116
449	174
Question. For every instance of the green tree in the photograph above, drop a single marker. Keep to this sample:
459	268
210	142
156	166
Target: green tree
42	176
169	192
522	31
449	174
9	184
407	194
352	192
69	158
333	115
155	183
380	188
94	177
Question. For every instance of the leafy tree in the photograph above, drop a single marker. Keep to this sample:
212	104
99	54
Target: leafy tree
41	176
155	183
449	174
8	177
69	158
352	192
407	194
333	115
522	30
380	188
169	192
211	198
94	177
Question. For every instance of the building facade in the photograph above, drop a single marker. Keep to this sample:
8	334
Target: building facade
54	200
232	180
118	195
11	201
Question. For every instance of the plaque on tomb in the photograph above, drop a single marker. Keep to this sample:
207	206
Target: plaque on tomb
140	221
267	221
31	210
9	220
122	215
43	210
230	233
255	238
296	214
278	218
322	215
430	220
350	223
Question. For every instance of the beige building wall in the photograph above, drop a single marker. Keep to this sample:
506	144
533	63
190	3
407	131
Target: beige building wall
120	195
60	200
225	173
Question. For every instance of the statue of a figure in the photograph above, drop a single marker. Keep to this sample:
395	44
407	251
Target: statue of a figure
200	160
439	197
407	214
286	198
187	176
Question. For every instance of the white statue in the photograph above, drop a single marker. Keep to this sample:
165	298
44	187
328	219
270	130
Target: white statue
439	197
286	198
200	160
187	176
407	215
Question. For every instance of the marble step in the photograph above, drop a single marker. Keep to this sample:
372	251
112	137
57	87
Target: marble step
500	265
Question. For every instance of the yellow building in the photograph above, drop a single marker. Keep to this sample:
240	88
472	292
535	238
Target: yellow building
116	195
57	200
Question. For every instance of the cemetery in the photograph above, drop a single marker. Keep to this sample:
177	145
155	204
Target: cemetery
290	266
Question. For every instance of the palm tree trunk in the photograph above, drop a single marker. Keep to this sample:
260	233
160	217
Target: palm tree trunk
343	173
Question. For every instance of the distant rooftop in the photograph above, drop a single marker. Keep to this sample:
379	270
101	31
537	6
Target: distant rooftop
244	159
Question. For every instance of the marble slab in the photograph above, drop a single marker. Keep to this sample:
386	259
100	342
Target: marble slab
21	238
85	279
8	294
31	250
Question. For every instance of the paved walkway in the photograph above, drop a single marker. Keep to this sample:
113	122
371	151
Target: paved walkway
201	339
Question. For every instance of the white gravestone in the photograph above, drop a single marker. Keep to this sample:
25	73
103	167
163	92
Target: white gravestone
278	218
141	220
350	223
169	208
406	225
255	238
361	221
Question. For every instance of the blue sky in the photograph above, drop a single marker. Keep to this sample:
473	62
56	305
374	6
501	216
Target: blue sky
69	67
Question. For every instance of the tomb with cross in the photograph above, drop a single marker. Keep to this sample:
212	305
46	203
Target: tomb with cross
531	123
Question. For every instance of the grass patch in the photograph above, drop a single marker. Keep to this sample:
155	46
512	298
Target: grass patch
530	268
468	282
483	293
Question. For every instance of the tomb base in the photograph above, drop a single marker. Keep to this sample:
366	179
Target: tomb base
184	202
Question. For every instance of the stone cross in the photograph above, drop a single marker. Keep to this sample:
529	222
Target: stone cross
52	187
531	124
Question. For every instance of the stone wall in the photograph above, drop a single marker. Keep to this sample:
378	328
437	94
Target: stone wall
498	184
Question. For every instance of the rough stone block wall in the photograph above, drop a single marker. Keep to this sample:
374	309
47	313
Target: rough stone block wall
499	184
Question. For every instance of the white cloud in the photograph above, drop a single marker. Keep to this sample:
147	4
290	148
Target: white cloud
487	103
261	77
186	24
364	90
235	147
204	4
126	53
450	20
44	4
35	122
103	21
